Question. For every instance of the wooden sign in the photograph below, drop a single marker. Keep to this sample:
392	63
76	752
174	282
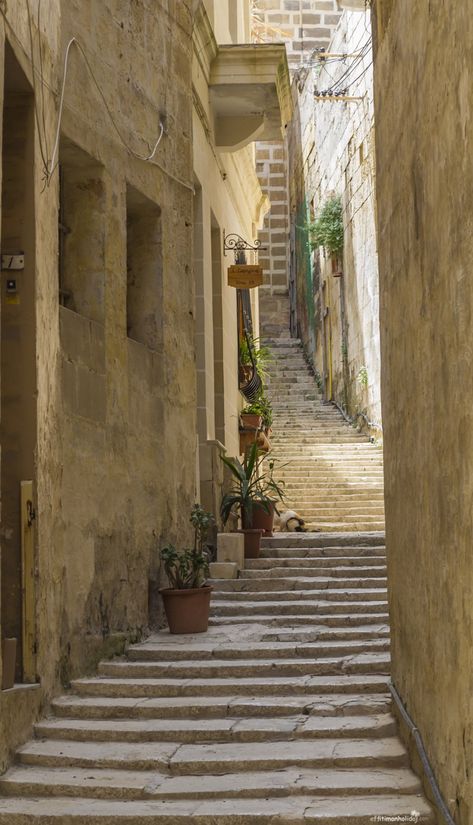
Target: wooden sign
245	276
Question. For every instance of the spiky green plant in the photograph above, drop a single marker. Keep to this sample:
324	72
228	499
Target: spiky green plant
251	486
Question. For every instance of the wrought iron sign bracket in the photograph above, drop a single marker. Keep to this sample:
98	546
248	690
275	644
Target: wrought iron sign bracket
236	244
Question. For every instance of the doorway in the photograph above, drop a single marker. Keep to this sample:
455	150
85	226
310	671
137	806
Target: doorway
18	368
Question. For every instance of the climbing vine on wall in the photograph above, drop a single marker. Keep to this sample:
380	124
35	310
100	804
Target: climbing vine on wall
327	229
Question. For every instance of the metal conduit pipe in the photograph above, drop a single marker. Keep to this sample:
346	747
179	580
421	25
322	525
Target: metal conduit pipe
439	800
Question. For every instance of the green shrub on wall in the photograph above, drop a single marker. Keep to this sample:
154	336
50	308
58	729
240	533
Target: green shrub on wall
327	229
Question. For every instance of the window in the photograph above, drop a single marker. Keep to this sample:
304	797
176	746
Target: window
144	263
82	231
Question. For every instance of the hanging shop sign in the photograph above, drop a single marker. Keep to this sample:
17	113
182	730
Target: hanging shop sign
245	276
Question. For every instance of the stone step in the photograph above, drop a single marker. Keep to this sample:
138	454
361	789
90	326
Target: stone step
107	784
218	707
342	511
316	568
263	650
369	662
329	620
276	686
298	583
344	540
337	564
239	591
215	757
337	555
312	514
340	525
295	810
311	607
225	730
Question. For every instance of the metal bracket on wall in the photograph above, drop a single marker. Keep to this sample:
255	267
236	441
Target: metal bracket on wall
236	244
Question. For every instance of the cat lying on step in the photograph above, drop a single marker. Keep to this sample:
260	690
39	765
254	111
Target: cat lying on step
289	522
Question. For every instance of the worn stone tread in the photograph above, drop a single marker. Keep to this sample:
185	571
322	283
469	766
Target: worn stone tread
164	653
206	707
228	729
103	783
218	687
285	811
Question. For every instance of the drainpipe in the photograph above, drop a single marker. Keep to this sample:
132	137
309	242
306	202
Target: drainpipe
439	800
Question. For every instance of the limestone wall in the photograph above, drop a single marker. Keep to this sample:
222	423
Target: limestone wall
228	199
334	154
303	25
113	456
424	140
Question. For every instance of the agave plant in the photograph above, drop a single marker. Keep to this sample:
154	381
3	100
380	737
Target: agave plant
252	486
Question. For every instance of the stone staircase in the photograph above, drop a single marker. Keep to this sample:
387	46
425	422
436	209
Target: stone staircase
279	714
333	474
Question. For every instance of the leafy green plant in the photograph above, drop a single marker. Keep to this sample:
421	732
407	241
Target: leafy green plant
189	568
327	229
262	356
251	486
362	377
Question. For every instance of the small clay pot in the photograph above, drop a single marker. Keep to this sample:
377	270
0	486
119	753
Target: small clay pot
251	421
187	611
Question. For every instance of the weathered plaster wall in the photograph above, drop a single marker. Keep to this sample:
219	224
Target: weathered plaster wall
424	117
340	156
115	441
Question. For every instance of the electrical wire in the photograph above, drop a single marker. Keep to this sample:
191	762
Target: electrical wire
346	74
43	108
49	166
41	137
365	70
54	163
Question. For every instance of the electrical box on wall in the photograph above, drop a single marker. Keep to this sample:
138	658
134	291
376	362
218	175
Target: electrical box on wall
16	261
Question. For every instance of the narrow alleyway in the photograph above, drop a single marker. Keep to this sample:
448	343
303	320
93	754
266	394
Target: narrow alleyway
282	710
333	474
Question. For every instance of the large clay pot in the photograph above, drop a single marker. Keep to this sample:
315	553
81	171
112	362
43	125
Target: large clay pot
262	520
8	663
252	542
187	611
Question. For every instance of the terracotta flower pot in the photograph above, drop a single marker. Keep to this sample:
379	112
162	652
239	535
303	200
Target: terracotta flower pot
263	520
252	542
251	421
187	611
8	663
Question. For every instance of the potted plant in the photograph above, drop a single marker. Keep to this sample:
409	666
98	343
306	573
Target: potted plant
263	517
251	417
253	490
262	356
187	599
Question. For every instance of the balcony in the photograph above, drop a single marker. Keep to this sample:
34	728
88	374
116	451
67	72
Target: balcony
250	94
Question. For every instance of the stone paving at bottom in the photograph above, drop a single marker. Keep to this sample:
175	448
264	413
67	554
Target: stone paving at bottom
279	714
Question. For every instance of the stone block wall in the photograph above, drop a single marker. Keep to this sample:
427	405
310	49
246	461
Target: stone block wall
111	395
335	155
424	148
303	25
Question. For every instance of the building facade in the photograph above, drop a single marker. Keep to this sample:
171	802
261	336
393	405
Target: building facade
119	365
424	140
337	296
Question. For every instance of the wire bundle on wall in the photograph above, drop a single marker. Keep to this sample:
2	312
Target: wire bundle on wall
50	163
